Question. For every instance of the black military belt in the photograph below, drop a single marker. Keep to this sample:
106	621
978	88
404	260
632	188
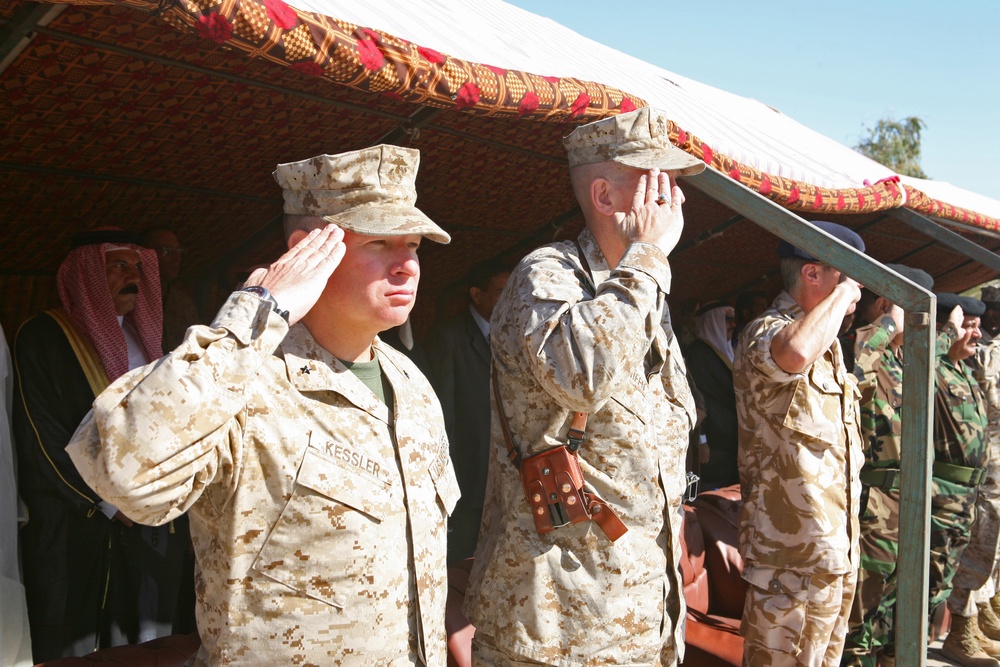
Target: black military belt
886	479
963	475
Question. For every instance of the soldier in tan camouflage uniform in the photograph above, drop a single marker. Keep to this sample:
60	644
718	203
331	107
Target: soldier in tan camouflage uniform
311	457
584	326
800	455
961	457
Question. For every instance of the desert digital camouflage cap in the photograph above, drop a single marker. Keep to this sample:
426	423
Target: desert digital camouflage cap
991	294
637	139
370	191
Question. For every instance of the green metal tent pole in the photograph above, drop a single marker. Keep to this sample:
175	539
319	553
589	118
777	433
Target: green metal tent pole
918	348
914	508
946	236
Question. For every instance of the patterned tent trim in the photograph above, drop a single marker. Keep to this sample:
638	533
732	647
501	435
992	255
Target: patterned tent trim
921	203
377	62
792	194
803	197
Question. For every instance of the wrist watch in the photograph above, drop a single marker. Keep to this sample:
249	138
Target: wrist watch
265	295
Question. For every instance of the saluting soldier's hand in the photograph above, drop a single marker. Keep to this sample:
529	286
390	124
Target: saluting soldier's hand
898	315
850	289
655	216
957	319
299	277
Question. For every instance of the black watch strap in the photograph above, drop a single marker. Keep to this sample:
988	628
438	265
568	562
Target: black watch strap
265	295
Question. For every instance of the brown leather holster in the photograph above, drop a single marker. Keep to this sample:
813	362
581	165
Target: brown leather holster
553	482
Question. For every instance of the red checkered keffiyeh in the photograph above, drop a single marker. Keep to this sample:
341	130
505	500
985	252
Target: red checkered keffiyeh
84	293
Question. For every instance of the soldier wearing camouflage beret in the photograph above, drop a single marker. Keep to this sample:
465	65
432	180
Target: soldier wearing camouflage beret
583	326
799	459
311	457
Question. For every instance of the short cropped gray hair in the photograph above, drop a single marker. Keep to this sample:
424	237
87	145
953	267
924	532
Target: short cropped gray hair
791	271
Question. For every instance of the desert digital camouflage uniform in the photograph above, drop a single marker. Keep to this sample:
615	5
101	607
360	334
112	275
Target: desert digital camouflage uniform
979	559
960	448
571	597
880	373
318	514
800	456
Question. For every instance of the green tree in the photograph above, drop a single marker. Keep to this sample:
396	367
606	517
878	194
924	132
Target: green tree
896	144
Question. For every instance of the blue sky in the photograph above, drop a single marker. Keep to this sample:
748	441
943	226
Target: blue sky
835	67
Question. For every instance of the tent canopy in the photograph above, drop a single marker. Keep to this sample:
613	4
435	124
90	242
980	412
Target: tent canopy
149	113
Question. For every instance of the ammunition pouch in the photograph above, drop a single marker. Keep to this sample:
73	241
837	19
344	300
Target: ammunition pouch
553	482
553	485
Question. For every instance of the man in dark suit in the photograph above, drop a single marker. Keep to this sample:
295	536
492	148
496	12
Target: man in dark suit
458	365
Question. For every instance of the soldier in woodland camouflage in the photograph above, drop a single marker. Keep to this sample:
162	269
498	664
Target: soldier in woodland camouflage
879	368
584	326
986	369
974	583
311	457
961	455
799	459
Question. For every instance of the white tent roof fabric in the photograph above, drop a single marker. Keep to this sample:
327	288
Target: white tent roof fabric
494	33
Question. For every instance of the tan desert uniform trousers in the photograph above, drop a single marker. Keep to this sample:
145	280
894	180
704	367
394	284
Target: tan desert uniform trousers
318	516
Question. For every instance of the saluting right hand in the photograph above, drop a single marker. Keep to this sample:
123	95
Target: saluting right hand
655	216
957	319
299	277
850	288
898	316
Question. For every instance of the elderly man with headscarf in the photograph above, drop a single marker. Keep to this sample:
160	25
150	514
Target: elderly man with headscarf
92	578
710	363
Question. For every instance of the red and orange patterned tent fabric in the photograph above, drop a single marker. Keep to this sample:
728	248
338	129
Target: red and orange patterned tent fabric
375	61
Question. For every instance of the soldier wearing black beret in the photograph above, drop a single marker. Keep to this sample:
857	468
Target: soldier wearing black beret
961	454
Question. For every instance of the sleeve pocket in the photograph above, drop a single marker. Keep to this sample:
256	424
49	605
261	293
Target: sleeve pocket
324	539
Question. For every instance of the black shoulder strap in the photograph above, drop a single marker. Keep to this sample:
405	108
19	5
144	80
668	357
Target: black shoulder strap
586	264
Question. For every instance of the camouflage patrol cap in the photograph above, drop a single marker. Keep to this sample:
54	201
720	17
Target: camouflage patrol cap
370	191
991	295
636	139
